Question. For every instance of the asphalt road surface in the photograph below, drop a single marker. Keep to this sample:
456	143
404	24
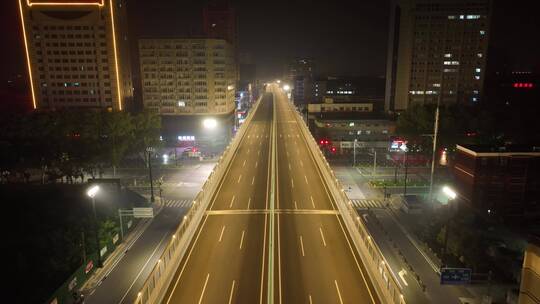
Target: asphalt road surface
225	262
228	259
316	260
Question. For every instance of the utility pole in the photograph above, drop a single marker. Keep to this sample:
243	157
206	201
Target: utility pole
150	150
83	245
374	161
435	133
354	152
96	233
406	169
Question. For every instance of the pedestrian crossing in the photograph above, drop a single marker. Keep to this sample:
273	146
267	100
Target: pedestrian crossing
177	203
367	203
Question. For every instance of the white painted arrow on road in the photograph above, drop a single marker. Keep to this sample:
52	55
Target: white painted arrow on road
402	274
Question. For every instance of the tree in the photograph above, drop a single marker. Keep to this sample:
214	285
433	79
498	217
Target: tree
147	126
118	134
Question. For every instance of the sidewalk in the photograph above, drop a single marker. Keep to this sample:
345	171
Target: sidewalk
112	260
101	273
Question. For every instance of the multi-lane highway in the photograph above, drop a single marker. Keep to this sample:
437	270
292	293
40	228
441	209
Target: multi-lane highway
285	229
315	258
226	259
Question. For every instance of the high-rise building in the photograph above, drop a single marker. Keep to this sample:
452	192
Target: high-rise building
436	47
187	76
300	72
77	53
219	21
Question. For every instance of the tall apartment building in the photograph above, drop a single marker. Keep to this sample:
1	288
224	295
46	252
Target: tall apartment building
436	46
77	53
187	76
300	75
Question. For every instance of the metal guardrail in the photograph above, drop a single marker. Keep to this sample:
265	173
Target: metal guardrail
155	286
384	279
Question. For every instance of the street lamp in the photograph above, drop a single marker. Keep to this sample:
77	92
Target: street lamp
451	195
91	192
286	87
405	149
150	150
209	123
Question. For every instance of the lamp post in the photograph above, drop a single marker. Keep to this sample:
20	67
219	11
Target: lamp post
451	195
92	194
150	150
406	150
354	151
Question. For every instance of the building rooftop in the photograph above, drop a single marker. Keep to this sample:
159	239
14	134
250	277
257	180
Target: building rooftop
504	150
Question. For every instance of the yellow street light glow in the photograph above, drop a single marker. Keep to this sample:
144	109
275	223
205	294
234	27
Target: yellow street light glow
286	87
92	191
209	123
449	192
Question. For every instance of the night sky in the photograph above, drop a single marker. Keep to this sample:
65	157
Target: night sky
344	37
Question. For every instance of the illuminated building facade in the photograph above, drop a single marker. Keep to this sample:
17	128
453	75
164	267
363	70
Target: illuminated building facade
188	76
77	54
436	46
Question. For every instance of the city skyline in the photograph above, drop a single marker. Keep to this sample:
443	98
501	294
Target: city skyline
369	27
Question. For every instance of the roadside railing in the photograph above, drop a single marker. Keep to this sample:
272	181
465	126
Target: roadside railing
384	280
156	285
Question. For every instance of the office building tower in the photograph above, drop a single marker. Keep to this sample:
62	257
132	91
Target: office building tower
187	76
437	49
77	54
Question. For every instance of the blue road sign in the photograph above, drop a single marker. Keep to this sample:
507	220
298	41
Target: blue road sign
455	276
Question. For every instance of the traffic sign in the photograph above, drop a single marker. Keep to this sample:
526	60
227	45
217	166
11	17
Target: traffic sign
455	276
147	212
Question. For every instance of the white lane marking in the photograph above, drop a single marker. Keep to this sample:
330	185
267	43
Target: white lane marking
248	151
244	163
302	246
339	293
142	269
242	239
204	288
253	180
249	202
239	178
289	166
295	205
232	201
402	274
221	234
365	217
310	300
322	236
292	183
305	177
232	292
259	152
256	164
312	201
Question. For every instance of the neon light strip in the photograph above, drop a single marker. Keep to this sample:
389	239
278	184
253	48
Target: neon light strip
27	56
65	3
116	57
